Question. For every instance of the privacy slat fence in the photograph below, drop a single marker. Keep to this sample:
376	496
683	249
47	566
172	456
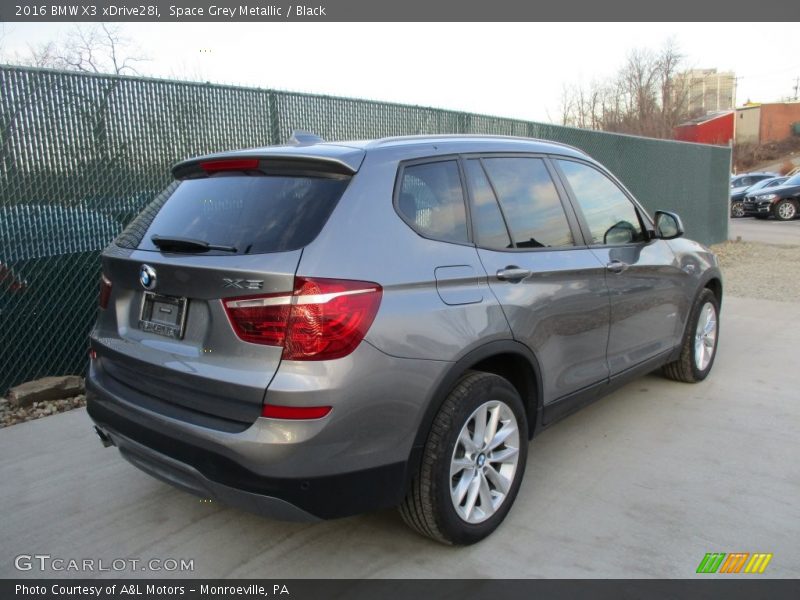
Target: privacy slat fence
81	155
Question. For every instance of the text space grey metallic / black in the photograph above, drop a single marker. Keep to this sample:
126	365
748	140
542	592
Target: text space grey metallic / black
320	329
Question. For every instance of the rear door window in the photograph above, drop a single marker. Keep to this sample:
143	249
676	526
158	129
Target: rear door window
431	200
530	202
254	214
490	227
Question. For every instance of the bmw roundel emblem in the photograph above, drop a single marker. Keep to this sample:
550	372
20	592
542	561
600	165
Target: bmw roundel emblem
147	277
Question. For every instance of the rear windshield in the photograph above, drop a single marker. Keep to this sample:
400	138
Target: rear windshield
253	214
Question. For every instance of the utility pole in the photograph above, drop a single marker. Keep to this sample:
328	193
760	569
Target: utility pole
796	86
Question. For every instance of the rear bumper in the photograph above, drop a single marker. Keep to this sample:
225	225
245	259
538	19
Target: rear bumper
207	474
354	460
191	480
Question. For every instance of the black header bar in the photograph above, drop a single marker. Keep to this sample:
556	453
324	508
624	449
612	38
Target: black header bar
733	588
397	10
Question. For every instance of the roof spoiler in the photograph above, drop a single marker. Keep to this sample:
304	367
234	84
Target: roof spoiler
273	163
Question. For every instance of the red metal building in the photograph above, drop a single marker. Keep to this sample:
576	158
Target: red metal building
713	128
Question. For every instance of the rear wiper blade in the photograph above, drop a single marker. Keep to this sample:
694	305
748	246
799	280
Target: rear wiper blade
181	244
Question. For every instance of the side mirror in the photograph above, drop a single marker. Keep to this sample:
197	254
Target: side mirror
668	225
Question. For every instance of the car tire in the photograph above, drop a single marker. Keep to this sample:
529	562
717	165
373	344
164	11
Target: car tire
737	210
700	340
785	210
460	494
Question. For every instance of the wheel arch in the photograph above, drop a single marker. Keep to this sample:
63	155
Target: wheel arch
714	283
509	359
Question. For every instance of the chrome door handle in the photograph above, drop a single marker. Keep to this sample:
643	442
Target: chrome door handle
617	266
512	273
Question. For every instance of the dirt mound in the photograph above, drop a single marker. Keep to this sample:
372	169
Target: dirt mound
780	156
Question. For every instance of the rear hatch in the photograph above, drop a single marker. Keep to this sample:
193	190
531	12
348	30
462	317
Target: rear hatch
226	232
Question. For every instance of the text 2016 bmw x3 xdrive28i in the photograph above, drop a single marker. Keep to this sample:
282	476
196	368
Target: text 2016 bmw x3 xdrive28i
321	329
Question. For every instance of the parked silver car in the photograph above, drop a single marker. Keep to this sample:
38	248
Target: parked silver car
320	329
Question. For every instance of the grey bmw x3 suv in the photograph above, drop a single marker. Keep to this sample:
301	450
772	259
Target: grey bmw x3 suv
321	329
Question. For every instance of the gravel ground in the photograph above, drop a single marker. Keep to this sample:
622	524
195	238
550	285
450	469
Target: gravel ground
753	270
10	415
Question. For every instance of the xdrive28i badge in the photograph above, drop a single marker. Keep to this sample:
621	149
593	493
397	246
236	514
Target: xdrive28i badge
147	277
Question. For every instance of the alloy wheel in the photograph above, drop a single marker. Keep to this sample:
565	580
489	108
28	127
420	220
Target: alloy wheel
705	339
484	461
787	211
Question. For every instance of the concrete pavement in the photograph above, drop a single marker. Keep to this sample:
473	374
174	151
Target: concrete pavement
767	231
640	484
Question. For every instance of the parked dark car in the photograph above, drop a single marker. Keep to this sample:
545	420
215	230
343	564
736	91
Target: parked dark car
737	201
781	202
47	262
317	330
741	183
745	180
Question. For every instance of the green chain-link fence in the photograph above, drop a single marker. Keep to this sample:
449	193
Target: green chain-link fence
81	154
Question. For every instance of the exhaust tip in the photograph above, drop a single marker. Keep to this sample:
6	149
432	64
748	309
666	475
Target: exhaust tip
104	439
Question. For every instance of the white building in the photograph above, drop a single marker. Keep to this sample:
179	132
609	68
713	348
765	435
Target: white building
708	90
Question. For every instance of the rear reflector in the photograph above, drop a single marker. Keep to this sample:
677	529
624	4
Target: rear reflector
294	412
321	319
241	164
105	292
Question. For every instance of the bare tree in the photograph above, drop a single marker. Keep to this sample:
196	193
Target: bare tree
99	48
646	97
566	107
673	87
42	55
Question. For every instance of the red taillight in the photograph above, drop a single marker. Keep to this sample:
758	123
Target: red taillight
260	319
240	164
105	292
294	412
322	319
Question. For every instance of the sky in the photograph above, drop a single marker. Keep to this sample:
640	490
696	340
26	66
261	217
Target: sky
513	70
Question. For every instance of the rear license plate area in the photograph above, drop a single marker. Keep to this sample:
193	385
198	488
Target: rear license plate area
163	315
